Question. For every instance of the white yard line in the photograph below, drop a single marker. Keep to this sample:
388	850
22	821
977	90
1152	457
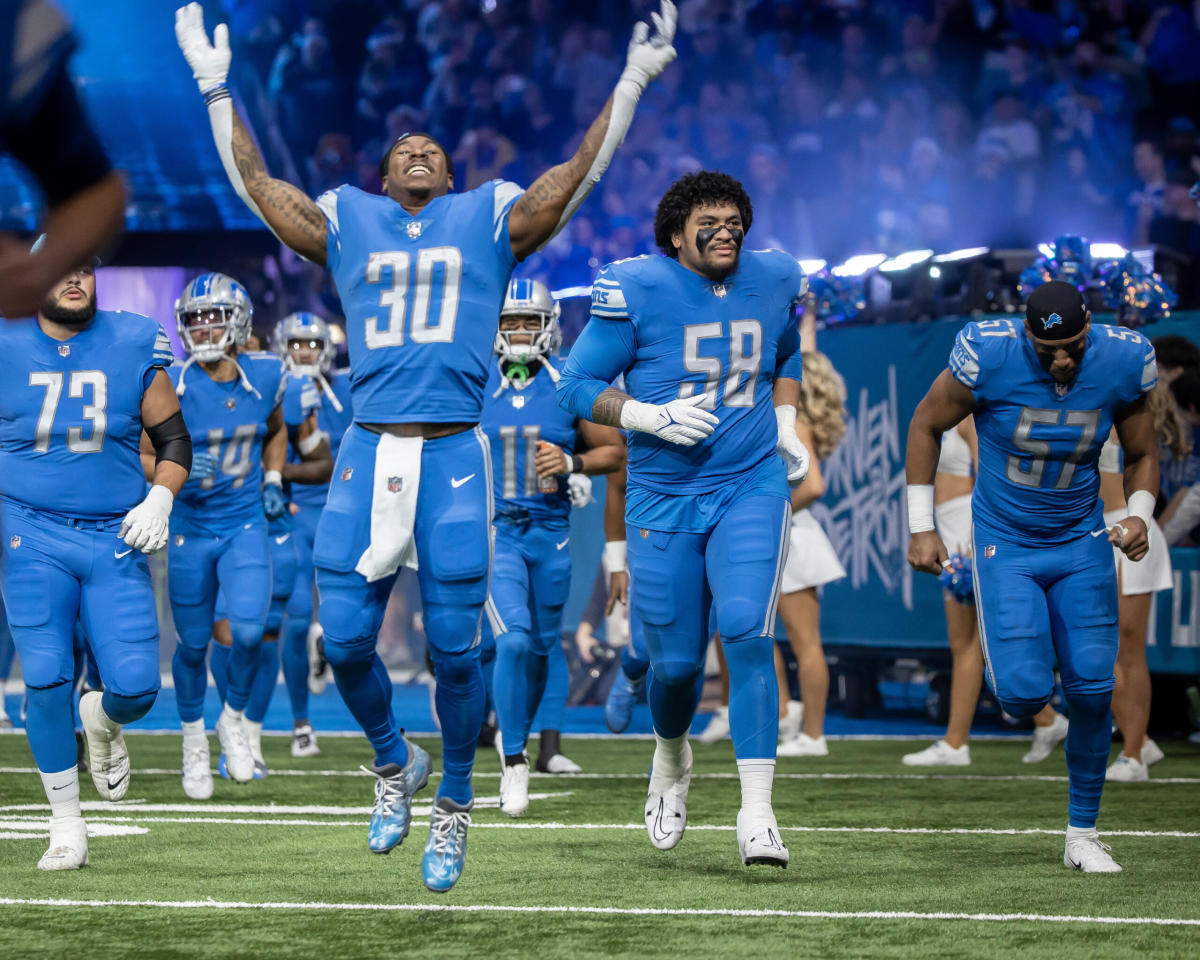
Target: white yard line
606	911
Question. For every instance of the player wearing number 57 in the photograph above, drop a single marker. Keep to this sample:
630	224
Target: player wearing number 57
1045	396
77	385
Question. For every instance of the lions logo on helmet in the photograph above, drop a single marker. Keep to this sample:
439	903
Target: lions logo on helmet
213	303
303	341
529	298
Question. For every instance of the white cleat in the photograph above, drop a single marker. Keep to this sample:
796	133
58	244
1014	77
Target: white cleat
759	840
718	727
941	754
239	761
197	770
666	810
560	764
791	721
304	742
1087	852
318	666
1045	739
514	789
802	745
1127	770
108	757
68	845
1151	752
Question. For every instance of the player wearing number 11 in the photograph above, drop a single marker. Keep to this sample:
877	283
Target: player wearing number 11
1045	398
422	273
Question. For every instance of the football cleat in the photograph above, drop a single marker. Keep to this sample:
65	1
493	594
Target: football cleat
666	809
197	770
1151	752
1087	852
318	666
622	698
759	840
108	757
446	849
791	721
718	726
68	848
557	763
5	720
391	816
514	789
1127	770
940	754
1045	739
802	745
304	742
235	748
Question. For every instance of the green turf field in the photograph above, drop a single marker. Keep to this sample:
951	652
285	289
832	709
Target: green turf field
866	837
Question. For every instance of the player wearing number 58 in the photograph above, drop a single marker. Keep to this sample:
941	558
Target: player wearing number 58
77	386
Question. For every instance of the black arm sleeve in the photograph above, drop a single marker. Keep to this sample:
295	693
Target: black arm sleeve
172	441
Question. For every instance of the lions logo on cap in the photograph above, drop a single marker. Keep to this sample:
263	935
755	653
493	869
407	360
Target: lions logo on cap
1051	321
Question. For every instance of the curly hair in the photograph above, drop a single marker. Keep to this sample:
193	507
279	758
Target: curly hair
823	403
708	188
1168	424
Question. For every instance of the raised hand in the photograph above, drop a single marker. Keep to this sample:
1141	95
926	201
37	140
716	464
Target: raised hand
648	56
209	61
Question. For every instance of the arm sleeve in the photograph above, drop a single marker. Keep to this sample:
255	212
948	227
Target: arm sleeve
604	350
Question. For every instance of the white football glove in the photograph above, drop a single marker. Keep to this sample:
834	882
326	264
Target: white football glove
579	489
794	453
649	56
209	61
680	421
145	527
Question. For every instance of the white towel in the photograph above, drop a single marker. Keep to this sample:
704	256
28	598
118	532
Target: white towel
393	507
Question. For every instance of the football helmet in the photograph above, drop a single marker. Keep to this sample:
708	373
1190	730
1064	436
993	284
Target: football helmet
213	302
529	298
306	326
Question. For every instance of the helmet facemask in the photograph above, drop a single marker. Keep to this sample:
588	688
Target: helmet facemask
221	325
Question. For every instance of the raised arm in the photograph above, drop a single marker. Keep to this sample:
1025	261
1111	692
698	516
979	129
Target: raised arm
552	200
290	214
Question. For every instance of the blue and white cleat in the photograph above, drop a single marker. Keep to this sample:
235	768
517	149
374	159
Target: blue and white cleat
260	768
622	698
395	785
446	849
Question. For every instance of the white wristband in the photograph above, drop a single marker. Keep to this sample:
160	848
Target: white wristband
273	476
1141	505
163	498
920	507
310	443
613	559
785	418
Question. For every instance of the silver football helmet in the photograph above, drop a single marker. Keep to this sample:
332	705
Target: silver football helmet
527	298
307	328
213	302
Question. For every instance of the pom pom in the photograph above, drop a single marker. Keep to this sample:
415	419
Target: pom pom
956	579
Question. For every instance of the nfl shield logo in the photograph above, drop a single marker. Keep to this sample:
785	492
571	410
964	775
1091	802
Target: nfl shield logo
179	539
518	401
413	229
989	551
395	484
231	403
347	473
14	541
719	290
64	350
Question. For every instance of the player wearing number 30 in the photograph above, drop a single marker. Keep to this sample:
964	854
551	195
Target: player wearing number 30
1045	398
421	272
710	350
77	385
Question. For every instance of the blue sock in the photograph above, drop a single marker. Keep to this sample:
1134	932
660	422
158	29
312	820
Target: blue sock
1089	739
632	665
243	663
554	692
294	653
265	678
124	710
673	692
753	697
366	689
220	668
520	678
191	680
460	700
488	665
49	727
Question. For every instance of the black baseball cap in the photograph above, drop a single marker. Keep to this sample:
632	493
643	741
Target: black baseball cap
387	156
1056	311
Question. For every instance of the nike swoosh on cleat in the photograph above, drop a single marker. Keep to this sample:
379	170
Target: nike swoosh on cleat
282	540
559	546
456	483
120	780
656	828
126	553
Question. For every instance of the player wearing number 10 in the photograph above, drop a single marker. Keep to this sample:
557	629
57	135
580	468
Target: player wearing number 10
1045	398
422	273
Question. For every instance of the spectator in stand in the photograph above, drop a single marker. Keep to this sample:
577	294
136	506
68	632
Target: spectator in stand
1008	127
305	88
1144	201
1014	70
1090	104
1170	41
396	72
1181	148
332	163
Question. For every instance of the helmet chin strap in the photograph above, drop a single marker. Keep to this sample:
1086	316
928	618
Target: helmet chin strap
516	374
242	378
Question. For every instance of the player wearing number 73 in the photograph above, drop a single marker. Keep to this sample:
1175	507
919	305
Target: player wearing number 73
77	385
422	273
1045	397
709	346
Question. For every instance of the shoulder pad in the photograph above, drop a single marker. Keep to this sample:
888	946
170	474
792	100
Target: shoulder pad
608	297
976	348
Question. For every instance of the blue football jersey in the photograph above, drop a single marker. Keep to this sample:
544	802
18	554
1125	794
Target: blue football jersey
514	423
1039	441
229	422
421	295
680	334
329	420
70	413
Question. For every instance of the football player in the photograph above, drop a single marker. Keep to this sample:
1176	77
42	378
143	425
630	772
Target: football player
422	274
705	337
538	476
1045	395
77	387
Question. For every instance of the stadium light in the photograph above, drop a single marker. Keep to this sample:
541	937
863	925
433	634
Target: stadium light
811	266
905	260
967	253
1046	250
566	293
858	265
935	272
1107	251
